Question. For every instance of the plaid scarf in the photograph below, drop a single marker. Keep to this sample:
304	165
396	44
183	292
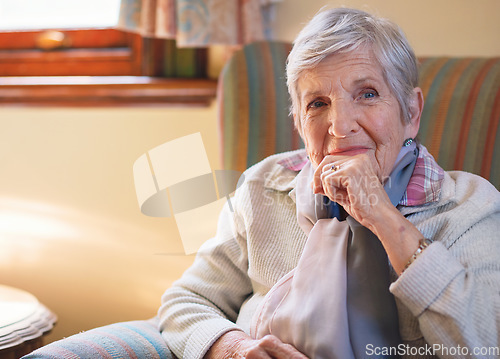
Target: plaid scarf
424	186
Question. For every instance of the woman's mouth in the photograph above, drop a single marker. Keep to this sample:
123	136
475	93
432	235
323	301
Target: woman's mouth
349	151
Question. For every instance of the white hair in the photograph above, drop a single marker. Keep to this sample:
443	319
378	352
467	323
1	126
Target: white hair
338	30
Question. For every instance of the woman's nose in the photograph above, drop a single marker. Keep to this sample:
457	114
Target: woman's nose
343	119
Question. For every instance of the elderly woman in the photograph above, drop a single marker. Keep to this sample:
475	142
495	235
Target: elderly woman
358	246
297	270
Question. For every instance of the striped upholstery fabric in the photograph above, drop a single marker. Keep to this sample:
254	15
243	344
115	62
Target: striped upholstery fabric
459	125
254	106
127	340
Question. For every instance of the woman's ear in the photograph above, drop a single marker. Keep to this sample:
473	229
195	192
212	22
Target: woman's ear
416	108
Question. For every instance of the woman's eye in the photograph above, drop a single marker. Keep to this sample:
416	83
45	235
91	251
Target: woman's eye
317	104
369	94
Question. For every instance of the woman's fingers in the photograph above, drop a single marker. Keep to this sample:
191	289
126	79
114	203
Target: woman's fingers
328	165
257	353
271	347
352	183
327	168
277	349
238	345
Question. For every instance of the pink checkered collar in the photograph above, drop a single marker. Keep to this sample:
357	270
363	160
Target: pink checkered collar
424	186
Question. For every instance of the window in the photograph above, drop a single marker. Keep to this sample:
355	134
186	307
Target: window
43	40
90	52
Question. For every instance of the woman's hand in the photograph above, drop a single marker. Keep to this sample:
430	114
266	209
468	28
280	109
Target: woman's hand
353	183
237	344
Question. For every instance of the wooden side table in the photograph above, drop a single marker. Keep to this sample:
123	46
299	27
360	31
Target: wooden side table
23	322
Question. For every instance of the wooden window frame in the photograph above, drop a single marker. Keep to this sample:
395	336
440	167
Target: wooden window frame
92	67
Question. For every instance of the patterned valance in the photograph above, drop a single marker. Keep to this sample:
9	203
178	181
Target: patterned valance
199	23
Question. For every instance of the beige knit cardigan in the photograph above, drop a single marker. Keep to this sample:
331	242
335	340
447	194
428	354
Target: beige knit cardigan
448	299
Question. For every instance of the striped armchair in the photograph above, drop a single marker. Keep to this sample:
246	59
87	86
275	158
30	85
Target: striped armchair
459	125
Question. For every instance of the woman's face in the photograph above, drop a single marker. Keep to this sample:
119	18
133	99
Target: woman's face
347	108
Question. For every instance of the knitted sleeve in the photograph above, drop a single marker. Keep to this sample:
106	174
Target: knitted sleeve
453	287
204	303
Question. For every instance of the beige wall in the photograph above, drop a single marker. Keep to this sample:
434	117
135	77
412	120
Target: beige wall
433	27
70	229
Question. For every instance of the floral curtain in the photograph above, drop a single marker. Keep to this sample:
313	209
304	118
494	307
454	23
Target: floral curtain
199	23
